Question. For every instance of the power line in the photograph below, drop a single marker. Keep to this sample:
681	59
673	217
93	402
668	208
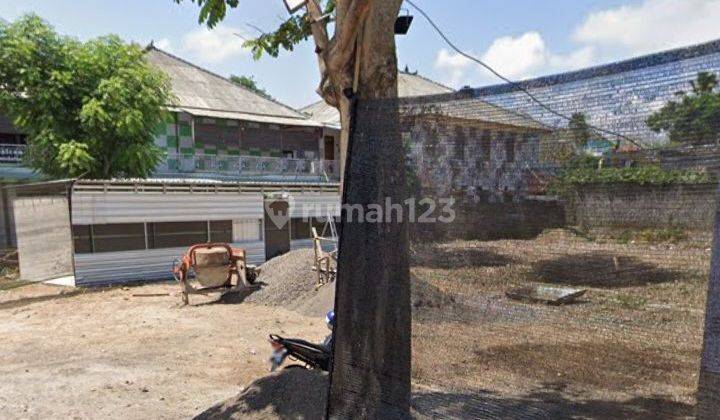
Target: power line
516	85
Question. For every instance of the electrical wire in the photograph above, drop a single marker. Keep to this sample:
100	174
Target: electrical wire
516	85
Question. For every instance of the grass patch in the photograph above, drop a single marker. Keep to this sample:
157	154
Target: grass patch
631	301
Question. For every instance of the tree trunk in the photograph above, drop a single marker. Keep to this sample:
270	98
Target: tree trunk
371	371
709	386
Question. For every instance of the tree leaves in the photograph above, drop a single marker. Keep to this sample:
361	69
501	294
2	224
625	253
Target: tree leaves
695	119
88	108
290	32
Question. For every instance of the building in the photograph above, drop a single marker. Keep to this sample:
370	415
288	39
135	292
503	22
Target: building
618	97
469	149
409	85
459	145
89	233
221	130
229	152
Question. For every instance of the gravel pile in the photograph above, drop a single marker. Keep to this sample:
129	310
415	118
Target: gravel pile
287	280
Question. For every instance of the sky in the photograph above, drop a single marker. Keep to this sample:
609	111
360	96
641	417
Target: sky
519	38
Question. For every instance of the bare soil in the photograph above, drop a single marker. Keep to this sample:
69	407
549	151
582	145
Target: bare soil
630	350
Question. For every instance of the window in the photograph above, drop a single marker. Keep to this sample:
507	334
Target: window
117	237
82	239
247	230
176	234
132	236
221	231
510	148
215	136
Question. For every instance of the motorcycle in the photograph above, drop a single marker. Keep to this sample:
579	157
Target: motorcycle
314	356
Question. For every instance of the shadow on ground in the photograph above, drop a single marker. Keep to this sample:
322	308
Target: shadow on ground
301	394
603	270
235	298
19	303
437	256
543	404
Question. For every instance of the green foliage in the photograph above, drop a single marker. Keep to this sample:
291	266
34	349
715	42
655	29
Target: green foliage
570	179
672	234
249	82
579	130
695	118
89	108
290	33
213	12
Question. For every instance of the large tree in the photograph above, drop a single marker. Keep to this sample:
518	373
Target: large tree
88	108
355	47
694	118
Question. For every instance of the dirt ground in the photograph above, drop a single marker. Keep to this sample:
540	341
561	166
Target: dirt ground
108	354
630	349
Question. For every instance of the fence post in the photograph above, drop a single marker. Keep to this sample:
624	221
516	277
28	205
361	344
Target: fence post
708	395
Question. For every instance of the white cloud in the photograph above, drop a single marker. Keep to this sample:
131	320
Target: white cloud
652	25
516	58
454	66
214	45
164	44
603	36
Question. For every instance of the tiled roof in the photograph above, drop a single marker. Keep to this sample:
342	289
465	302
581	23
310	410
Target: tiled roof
409	85
199	91
637	63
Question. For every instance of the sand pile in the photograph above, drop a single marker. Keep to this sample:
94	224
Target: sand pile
288	394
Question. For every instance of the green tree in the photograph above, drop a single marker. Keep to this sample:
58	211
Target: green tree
249	82
89	108
694	118
579	130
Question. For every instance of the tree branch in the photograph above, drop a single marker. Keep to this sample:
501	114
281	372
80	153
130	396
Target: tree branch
318	27
342	46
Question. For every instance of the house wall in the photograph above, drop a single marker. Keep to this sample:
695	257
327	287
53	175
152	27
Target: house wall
183	134
617	97
471	161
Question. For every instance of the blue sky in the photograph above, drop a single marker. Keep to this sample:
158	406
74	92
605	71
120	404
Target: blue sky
521	38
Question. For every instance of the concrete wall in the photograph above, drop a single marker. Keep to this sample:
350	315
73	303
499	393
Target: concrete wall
637	206
491	221
44	237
